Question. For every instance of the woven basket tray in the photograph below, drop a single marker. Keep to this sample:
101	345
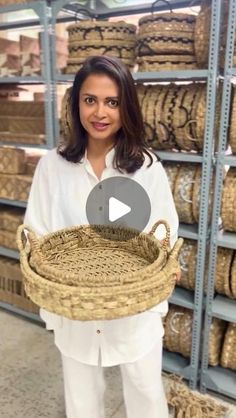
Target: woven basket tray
115	272
216	336
202	35
228	207
173	328
183	193
187	260
232	122
233	277
228	355
223	271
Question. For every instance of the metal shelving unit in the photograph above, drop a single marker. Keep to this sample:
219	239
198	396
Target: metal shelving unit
217	378
173	362
42	22
43	13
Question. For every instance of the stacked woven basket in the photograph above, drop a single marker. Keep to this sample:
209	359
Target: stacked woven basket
11	286
185	182
22	121
178	334
166	42
225	277
88	38
16	170
10	219
232	124
174	115
228	207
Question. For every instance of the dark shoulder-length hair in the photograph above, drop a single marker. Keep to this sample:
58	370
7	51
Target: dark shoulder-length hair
130	146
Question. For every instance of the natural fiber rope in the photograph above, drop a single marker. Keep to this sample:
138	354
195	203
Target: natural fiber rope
191	404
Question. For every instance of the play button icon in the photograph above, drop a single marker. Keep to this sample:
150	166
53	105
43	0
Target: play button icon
118	201
117	209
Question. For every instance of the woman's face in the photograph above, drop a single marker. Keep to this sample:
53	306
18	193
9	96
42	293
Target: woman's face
99	108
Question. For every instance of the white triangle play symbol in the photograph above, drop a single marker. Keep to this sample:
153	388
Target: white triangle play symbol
117	209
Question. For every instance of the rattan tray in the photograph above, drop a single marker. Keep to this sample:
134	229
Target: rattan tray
115	272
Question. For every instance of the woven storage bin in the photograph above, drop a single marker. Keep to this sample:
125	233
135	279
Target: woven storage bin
223	271
4	123
22	138
12	160
29	125
232	123
101	31
15	187
12	218
115	272
11	286
228	207
216	336
183	193
233	277
8	239
228	355
187	260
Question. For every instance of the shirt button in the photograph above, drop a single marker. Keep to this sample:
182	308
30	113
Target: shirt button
98	331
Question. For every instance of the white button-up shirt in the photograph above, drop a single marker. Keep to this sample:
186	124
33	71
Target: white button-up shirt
58	200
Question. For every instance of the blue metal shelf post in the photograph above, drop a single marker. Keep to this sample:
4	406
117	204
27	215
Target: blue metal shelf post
213	378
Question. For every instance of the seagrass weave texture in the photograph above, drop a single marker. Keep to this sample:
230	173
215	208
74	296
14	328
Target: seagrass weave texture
98	272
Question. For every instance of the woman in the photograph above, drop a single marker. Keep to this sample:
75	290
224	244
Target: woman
107	140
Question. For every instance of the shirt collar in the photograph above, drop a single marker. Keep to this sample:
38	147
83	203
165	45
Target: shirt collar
108	158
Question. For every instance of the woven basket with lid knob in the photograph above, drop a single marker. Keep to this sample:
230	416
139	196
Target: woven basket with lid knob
98	272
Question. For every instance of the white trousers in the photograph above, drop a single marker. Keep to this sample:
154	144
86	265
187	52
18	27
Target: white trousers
142	388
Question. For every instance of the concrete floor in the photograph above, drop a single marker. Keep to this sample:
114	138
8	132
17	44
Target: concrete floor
30	374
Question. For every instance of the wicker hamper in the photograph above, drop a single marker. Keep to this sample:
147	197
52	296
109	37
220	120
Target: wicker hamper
115	272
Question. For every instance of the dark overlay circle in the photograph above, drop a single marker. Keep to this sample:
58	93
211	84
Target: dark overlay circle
109	199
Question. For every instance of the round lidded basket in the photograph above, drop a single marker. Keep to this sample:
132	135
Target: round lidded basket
98	272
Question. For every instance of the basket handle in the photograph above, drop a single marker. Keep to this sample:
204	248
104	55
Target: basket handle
163	1
190	138
166	241
24	240
84	11
182	191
